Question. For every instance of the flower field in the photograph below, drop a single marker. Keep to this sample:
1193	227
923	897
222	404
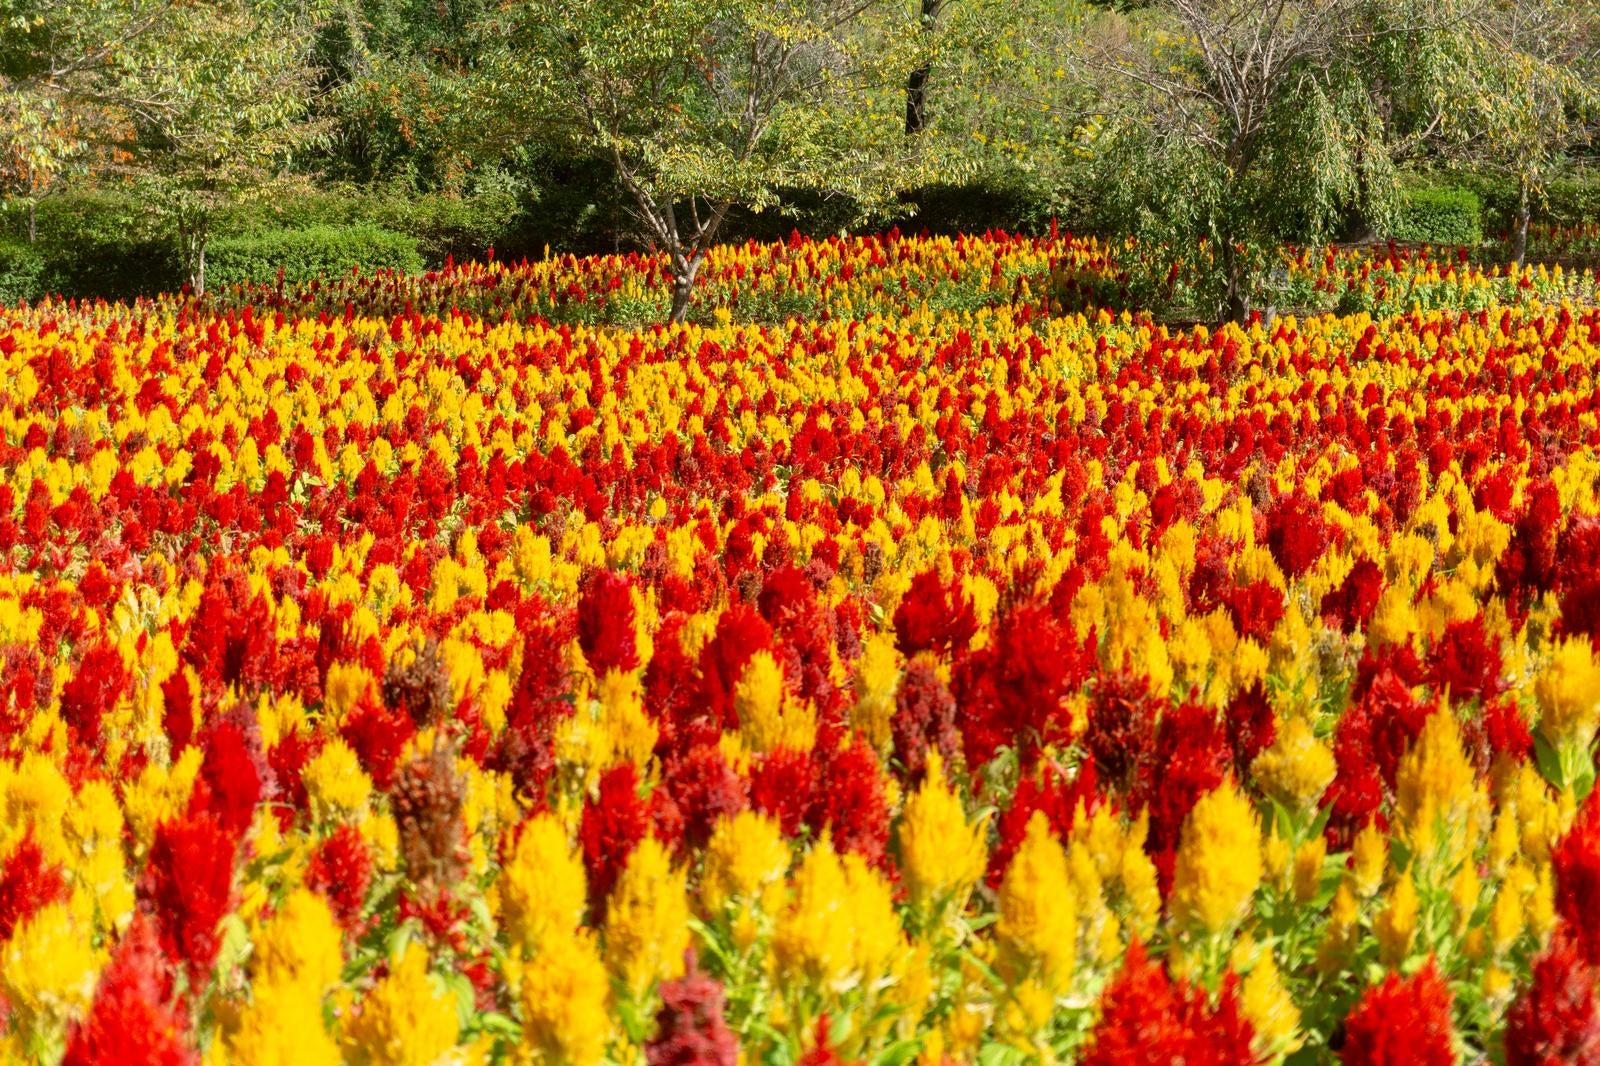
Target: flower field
888	667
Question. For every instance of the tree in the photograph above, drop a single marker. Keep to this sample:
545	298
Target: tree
215	106
1522	82
1228	125
394	75
702	105
55	95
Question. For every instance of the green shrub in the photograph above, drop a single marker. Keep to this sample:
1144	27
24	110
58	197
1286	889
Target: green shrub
1439	216
21	272
463	225
306	254
103	243
1571	201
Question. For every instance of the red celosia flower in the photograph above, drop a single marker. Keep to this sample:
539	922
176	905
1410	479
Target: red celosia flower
27	883
934	616
1051	793
606	623
1465	661
1576	859
741	632
177	713
132	1019
1013	693
341	869
92	692
613	824
1580	610
1191	759
849	800
1251	726
1351	604
805	627
1121	732
1368	742
1147	1018
781	785
1255	608
1404	1020
1297	534
377	733
231	775
1507	730
188	885
1555	1020
690	1030
924	719
705	788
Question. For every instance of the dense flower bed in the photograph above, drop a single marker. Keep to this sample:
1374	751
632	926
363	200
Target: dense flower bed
896	276
961	685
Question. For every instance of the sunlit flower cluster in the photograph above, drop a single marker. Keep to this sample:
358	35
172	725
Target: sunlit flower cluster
908	681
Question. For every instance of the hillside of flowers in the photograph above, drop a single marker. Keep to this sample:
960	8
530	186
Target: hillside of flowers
891	666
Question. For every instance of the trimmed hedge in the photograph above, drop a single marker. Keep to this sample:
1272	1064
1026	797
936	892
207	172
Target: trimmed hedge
21	272
1439	216
307	254
101	243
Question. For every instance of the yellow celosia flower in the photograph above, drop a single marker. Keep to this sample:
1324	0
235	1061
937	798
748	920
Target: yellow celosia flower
49	968
405	1020
1308	860
566	1003
347	683
1219	861
877	676
161	793
1507	914
840	930
543	889
1297	768
1439	797
745	855
1038	927
335	783
769	717
1568	691
281	1026
1270	1009
300	945
942	855
1397	924
647	920
1343	917
1369	855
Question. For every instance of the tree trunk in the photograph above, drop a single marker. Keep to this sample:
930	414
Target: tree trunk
683	274
917	80
192	251
1236	300
1519	246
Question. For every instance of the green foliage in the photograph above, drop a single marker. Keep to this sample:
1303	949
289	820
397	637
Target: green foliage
234	83
445	223
21	272
1441	215
1198	149
307	254
1573	200
101	243
704	106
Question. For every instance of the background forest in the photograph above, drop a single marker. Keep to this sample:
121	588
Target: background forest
148	144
